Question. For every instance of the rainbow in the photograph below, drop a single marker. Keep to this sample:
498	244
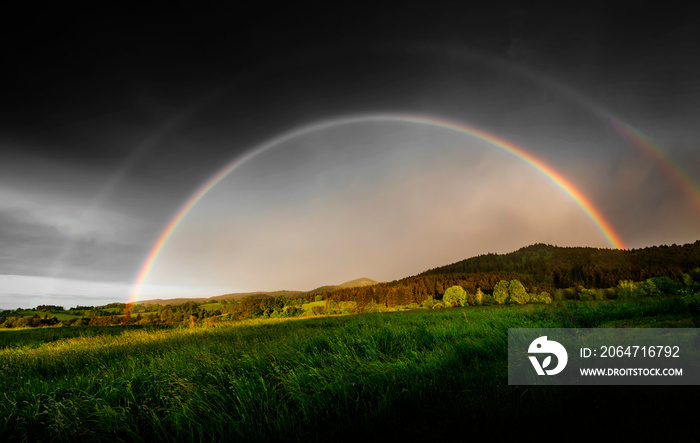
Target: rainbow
603	225
672	170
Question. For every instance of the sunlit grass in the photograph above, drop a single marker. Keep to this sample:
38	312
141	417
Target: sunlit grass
318	378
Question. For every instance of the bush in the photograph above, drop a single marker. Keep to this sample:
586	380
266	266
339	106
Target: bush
542	297
318	310
569	294
663	286
610	293
489	300
292	311
692	302
559	295
586	294
374	307
626	290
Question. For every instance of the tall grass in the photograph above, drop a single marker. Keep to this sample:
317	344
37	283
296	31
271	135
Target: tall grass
416	373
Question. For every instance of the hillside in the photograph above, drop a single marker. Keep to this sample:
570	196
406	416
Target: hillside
358	282
238	295
539	267
232	296
562	267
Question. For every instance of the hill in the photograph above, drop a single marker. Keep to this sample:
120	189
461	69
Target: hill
358	282
232	296
539	267
238	295
562	267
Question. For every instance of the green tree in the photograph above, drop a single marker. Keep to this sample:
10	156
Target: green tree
455	296
500	292
626	289
687	280
479	297
517	293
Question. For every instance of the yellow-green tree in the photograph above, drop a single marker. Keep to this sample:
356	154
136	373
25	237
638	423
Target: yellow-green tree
500	292
479	297
455	296
510	292
517	293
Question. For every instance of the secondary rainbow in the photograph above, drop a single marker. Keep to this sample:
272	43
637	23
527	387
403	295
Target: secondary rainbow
671	169
596	217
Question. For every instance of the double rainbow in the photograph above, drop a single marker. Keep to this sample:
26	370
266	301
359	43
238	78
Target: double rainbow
593	213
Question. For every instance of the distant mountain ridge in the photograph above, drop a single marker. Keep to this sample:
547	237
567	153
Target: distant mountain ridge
234	296
358	282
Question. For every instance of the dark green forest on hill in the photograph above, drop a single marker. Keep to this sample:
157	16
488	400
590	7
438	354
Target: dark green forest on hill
563	271
554	267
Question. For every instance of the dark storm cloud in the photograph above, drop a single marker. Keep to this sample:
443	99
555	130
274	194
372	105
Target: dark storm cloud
30	245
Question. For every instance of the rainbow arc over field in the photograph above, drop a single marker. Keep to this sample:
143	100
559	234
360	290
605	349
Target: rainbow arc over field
591	211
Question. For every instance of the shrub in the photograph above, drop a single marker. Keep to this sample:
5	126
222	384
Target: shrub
319	310
559	295
664	285
428	303
542	297
292	311
569	293
626	290
692	302
610	293
374	307
489	300
586	294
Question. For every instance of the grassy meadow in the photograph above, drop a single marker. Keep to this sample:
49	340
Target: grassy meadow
413	374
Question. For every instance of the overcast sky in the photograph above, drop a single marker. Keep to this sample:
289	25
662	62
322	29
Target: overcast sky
110	120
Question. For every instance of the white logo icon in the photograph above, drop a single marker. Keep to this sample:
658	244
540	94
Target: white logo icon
543	346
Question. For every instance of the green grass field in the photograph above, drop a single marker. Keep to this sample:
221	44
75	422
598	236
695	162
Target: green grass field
421	374
59	315
212	306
